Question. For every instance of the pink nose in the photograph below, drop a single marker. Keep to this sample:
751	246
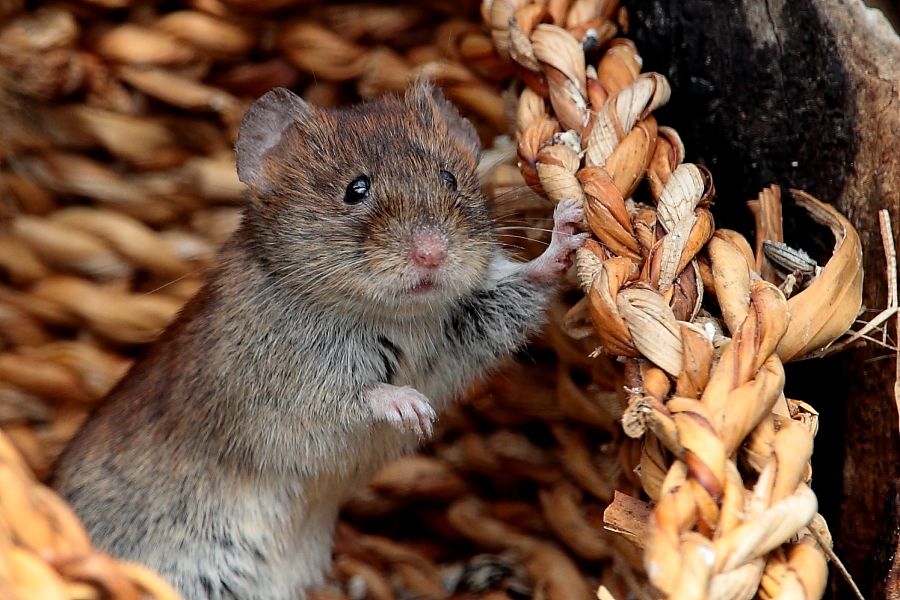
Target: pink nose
429	249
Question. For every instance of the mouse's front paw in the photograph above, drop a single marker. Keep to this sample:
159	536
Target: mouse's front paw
405	408
555	260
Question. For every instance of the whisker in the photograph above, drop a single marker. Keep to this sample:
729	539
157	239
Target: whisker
515	228
522	237
165	285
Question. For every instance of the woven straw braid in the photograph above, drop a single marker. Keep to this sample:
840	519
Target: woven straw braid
45	552
704	404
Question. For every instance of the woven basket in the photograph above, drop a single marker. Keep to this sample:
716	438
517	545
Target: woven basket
116	168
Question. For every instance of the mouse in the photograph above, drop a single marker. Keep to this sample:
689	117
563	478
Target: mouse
364	290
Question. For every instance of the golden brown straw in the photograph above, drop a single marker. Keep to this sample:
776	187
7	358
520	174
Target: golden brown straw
45	550
725	455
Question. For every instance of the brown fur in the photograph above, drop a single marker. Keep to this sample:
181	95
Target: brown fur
312	357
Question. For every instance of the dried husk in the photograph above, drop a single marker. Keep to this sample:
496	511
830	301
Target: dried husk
563	59
40	530
313	48
562	510
69	249
128	237
653	327
629	161
826	309
612	329
207	33
179	91
140	46
556	166
606	213
619	66
145	143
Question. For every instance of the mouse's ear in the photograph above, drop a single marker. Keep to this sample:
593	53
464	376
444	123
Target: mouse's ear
433	108
261	130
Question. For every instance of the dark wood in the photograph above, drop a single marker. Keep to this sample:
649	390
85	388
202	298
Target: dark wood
802	94
890	549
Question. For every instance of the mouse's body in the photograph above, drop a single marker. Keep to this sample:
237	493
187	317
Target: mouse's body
363	291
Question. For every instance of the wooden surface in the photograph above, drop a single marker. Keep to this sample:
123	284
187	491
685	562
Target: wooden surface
803	94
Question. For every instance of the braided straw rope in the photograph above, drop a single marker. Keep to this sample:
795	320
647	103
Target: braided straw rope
45	551
725	458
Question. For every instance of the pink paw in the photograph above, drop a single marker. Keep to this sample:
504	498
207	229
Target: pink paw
403	407
555	260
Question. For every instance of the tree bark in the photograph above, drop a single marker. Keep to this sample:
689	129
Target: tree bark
803	94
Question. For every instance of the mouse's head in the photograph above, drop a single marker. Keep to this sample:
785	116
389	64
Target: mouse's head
374	204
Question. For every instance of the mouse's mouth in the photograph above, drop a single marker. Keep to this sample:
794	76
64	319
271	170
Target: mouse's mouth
423	286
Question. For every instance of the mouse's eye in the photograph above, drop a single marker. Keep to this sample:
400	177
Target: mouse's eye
357	191
449	180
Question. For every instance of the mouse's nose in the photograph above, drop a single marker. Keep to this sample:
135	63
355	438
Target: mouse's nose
428	248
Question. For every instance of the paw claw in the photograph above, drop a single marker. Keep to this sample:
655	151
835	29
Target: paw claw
555	260
577	241
566	214
404	407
